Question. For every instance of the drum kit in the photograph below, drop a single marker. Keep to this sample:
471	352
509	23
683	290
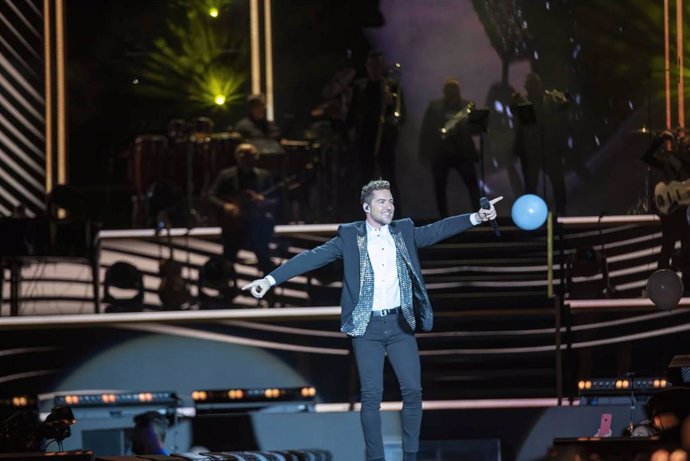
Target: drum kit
171	174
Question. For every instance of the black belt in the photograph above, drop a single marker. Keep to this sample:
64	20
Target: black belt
384	312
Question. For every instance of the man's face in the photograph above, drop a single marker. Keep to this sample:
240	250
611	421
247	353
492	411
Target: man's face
381	208
257	111
375	67
451	93
246	159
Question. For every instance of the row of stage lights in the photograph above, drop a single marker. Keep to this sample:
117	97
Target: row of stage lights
600	386
254	395
170	398
18	401
125	398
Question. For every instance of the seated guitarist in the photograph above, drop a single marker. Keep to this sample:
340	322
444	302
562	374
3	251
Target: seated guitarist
670	156
245	215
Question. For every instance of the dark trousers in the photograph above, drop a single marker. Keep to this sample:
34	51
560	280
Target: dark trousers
440	168
553	168
674	227
253	233
390	336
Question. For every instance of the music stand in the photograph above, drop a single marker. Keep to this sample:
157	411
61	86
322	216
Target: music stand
525	113
478	123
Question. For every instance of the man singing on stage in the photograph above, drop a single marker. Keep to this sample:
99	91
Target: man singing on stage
382	300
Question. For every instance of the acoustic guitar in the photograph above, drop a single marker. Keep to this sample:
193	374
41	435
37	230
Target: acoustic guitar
670	196
247	202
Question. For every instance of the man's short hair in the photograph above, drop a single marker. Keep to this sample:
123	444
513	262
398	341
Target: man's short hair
451	81
370	187
246	147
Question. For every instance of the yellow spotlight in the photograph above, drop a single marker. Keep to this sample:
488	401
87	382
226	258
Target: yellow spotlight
626	384
581	385
219	99
657	383
619	384
588	384
663	383
213	12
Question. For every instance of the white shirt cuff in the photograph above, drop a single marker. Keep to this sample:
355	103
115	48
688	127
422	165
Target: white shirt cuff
271	280
474	219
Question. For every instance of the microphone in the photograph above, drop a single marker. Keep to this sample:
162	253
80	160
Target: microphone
484	203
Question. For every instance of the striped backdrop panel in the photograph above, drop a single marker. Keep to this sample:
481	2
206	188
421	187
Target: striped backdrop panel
22	106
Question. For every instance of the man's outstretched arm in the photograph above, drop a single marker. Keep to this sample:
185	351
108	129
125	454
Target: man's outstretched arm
445	228
299	264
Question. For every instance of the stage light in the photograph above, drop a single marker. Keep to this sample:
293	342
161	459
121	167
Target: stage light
57	424
219	99
583	385
213	12
199	396
254	395
235	394
130	280
593	391
308	392
124	398
20	401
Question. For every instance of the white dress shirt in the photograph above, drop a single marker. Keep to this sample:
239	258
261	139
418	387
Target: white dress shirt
382	255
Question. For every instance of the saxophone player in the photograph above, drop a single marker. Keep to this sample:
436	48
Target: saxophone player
452	150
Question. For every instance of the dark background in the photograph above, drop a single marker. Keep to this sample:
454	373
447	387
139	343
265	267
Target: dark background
606	55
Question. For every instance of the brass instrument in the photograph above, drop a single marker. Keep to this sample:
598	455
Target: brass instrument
457	118
558	97
394	77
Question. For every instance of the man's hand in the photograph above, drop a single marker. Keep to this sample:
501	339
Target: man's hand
231	209
484	215
258	288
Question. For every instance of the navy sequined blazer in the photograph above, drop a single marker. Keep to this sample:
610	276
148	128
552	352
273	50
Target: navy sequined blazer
344	246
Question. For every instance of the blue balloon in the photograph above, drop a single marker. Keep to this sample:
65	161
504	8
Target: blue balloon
529	212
